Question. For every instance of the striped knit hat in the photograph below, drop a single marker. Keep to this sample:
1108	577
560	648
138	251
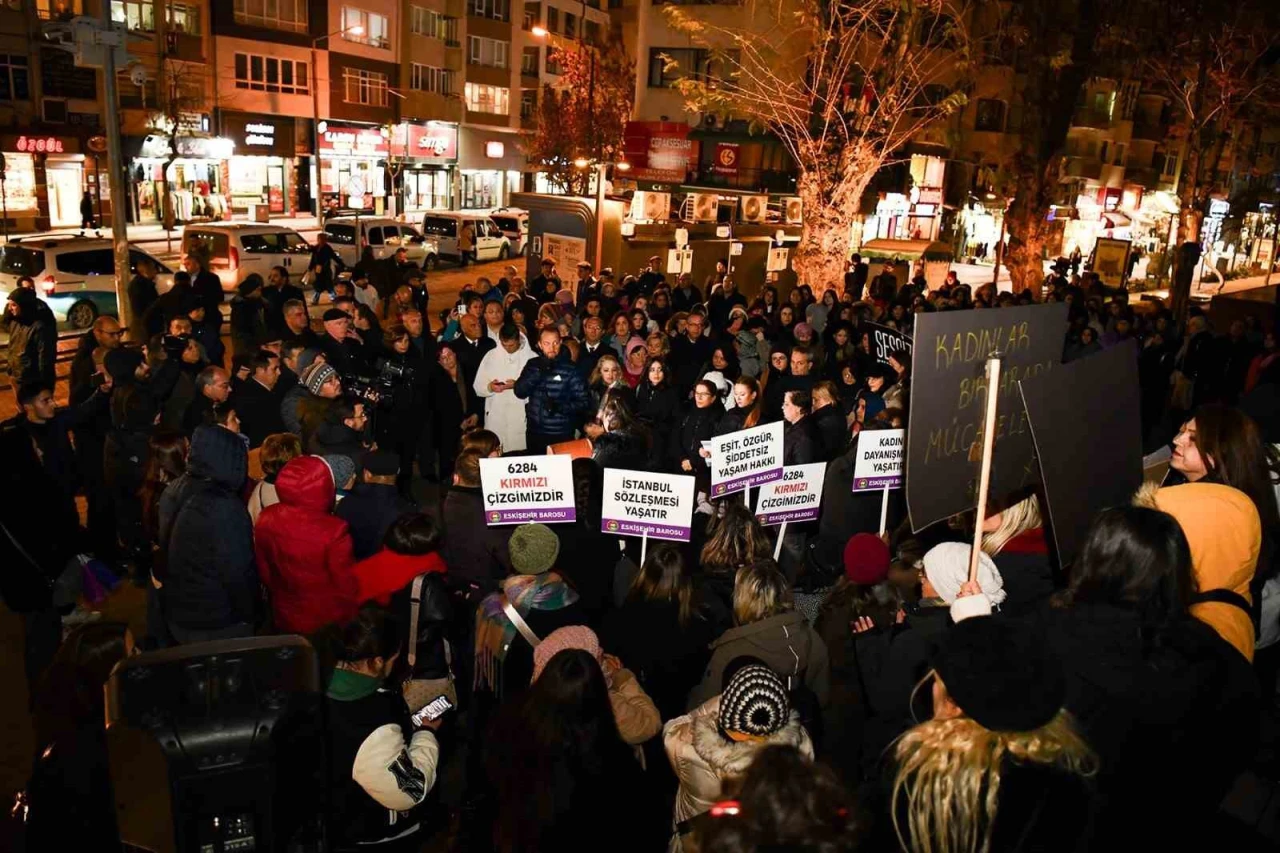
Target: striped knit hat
314	377
754	705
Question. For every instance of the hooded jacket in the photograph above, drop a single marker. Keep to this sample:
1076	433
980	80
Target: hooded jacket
703	759
32	343
304	551
207	537
1225	535
784	642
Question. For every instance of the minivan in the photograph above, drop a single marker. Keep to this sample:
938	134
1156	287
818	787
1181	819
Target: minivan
443	226
236	249
384	236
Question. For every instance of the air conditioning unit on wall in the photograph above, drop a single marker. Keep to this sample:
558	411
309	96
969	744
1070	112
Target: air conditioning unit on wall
792	211
754	208
704	207
650	206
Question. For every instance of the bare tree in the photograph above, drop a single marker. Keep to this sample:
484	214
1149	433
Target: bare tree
845	86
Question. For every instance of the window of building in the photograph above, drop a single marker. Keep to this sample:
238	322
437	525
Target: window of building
529	62
428	78
364	87
553	61
58	10
15	78
487	51
662	73
184	19
482	98
989	116
553	19
531	15
373	29
136	14
592	34
276	14
499	10
528	103
433	24
271	74
570	24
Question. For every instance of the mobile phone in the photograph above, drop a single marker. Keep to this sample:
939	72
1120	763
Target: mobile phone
433	710
461	308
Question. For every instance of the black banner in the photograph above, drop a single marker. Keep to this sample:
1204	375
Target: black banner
884	341
1088	437
948	399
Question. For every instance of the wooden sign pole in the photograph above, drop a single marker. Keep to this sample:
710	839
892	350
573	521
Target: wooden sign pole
988	443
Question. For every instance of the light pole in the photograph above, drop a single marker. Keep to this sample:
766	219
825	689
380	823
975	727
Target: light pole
357	30
600	168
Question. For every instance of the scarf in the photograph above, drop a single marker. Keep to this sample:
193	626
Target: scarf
495	632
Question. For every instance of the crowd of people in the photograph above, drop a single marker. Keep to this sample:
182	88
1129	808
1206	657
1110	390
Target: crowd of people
708	696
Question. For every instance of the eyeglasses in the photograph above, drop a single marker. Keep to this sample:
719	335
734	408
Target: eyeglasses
702	394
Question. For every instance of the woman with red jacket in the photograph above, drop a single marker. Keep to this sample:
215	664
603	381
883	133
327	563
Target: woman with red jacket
304	551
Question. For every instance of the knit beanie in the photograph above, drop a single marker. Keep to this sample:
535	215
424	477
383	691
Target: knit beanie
533	549
306	358
1001	674
561	639
866	559
947	567
314	377
342	468
754	704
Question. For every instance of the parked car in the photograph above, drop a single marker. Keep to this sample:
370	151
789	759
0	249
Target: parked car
514	223
443	226
382	235
236	249
74	275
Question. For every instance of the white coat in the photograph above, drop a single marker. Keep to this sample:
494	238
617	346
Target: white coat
504	411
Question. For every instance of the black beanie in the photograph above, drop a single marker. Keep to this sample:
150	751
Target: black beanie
122	363
1001	675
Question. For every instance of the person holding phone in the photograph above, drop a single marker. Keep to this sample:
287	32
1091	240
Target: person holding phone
383	755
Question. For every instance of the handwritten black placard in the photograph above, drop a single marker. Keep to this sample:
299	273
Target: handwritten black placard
948	398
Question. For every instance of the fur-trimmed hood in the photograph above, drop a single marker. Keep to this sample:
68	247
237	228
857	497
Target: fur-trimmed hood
729	759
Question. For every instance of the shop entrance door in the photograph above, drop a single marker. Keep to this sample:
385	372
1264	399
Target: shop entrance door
64	182
275	189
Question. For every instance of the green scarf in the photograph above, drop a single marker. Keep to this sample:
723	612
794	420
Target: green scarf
347	685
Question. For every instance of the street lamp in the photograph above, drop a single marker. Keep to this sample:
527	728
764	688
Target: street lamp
356	30
600	167
540	32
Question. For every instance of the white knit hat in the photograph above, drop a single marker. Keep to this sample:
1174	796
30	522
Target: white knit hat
947	567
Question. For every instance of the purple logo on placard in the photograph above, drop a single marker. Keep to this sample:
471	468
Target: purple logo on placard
756	479
543	515
638	528
771	518
866	484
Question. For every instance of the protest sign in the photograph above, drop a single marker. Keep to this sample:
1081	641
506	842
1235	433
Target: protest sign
879	461
522	489
794	497
884	341
1088	437
948	401
746	458
641	503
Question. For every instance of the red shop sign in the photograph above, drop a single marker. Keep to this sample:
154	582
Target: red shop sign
435	139
40	144
347	140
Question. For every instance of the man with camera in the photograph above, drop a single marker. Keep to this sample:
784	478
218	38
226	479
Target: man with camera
556	393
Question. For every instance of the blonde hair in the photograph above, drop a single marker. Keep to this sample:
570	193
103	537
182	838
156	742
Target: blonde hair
759	591
949	772
1019	518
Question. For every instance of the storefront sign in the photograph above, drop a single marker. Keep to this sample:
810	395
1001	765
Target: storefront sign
746	458
270	136
794	497
948	400
348	140
495	150
40	144
527	489
658	151
726	162
640	503
436	140
881	453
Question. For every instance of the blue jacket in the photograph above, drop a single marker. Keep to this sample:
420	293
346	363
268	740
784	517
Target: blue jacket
557	395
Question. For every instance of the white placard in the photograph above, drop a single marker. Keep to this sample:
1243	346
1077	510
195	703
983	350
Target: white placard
522	489
746	458
793	498
641	503
777	260
881	453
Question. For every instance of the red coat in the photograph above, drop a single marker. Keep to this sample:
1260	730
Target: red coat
386	573
304	551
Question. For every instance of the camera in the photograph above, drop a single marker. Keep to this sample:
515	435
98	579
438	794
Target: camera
379	388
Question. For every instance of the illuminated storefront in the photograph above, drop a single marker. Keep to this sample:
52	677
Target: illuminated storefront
352	166
426	155
44	179
264	165
195	177
489	166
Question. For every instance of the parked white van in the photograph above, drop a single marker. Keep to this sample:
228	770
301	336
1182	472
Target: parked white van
348	235
443	227
236	249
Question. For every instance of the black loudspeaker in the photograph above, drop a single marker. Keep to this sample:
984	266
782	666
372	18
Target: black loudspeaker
219	747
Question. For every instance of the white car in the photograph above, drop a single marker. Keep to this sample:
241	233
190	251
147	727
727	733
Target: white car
384	236
443	227
236	249
514	223
74	275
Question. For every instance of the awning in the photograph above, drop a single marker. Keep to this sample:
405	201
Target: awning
906	250
1115	219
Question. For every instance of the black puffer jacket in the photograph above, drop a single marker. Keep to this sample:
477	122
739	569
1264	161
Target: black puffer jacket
211	580
557	394
697	425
